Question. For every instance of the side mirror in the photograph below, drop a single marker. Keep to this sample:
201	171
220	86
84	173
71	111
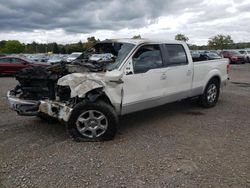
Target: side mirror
114	76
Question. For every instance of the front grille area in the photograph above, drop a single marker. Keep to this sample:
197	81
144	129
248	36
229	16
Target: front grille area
63	92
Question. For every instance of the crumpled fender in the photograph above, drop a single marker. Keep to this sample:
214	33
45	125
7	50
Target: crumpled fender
81	83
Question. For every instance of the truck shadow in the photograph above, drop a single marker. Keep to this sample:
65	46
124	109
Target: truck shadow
153	115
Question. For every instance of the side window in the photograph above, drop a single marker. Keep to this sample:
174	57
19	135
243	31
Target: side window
176	54
5	60
17	61
147	57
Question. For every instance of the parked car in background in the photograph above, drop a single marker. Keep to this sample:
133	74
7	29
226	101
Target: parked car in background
246	53
101	57
194	53
12	64
215	52
210	56
204	55
73	56
234	56
39	57
55	59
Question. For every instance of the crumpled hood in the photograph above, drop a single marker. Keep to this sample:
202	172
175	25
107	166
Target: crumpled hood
81	83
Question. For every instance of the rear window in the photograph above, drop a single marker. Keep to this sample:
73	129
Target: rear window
176	55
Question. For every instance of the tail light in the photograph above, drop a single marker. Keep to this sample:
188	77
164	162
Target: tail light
228	68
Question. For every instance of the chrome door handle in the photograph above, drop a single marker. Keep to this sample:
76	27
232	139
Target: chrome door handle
163	76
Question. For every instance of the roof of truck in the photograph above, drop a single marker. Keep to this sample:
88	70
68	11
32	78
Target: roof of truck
143	40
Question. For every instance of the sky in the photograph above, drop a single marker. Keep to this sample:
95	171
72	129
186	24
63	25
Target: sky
69	21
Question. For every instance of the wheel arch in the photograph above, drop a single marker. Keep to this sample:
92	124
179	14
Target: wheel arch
216	77
98	94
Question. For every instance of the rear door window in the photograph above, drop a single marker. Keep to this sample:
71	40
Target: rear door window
176	55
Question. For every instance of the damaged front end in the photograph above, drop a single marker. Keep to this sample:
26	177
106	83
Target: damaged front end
53	108
58	101
35	84
56	90
72	88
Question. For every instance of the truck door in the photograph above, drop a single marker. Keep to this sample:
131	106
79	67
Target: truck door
179	73
144	81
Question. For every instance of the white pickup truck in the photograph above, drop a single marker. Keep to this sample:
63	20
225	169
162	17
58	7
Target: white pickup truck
144	74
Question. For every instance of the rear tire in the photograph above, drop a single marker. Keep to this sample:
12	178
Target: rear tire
93	121
211	94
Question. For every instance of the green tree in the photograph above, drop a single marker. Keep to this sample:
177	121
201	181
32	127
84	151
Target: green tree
63	50
80	46
220	42
91	41
136	37
181	37
13	46
55	48
2	44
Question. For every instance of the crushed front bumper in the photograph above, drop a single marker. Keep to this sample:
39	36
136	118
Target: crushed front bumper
22	106
32	108
55	109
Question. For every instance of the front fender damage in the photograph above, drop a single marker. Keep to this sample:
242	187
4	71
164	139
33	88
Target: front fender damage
90	86
80	83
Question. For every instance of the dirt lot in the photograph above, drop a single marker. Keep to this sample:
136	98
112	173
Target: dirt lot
176	145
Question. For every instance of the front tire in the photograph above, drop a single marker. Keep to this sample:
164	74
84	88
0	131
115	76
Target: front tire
211	94
95	121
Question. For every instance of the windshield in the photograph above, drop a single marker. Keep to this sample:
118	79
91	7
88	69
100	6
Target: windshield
108	55
124	50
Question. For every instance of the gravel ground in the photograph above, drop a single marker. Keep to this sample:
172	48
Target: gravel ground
176	145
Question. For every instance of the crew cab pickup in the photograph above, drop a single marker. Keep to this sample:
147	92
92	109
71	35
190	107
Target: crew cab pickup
144	74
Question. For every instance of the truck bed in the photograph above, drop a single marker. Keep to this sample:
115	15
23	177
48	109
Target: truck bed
203	71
